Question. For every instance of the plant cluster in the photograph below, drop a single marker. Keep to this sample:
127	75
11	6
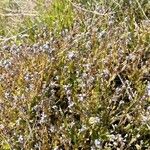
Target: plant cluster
79	79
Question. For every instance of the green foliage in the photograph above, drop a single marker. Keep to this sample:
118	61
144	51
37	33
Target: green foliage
60	15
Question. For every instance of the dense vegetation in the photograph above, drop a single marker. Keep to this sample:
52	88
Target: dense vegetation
75	75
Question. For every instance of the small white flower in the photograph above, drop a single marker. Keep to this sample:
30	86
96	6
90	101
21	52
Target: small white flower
102	34
20	139
27	77
87	66
131	57
119	137
90	80
52	129
71	55
46	46
68	92
83	128
7	64
7	95
81	97
71	103
88	45
43	116
94	120
37	146
1	126
148	108
106	74
84	75
97	143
